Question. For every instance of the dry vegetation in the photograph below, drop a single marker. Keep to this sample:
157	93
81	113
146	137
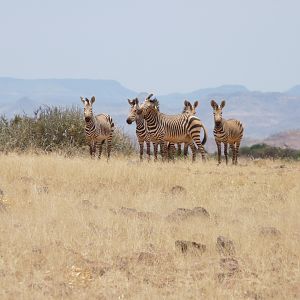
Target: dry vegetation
74	228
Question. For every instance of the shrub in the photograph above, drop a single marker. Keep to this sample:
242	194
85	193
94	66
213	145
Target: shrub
52	129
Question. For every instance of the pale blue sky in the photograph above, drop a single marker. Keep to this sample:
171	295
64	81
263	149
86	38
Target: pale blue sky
158	45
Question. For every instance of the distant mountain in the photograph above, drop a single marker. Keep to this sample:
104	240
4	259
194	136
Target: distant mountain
262	114
294	91
287	139
109	93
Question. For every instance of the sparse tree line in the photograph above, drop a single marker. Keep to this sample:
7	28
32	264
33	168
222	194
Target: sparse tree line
64	130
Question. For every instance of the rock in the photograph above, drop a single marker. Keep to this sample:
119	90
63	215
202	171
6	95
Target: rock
229	264
127	211
132	212
269	231
225	247
200	211
86	203
42	189
148	258
252	295
185	213
178	189
186	247
3	207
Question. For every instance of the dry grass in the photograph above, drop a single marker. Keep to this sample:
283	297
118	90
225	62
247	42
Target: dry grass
64	234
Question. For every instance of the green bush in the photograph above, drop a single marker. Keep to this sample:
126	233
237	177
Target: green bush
266	151
52	129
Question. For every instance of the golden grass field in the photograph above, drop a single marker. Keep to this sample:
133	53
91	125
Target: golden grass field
67	230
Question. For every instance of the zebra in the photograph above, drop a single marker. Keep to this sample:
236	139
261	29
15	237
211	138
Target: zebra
98	129
191	109
182	128
142	132
141	128
226	132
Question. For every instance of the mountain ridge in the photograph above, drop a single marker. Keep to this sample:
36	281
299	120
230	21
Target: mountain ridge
263	113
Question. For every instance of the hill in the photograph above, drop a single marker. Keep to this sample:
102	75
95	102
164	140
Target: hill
288	139
262	114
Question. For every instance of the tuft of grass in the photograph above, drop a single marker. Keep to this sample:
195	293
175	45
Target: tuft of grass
77	228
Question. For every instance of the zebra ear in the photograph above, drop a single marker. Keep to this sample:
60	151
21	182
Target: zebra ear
131	102
186	103
149	96
213	104
196	104
93	99
136	101
82	100
222	104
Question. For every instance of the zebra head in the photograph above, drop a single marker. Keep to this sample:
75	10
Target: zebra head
149	105
217	111
88	109
134	111
189	108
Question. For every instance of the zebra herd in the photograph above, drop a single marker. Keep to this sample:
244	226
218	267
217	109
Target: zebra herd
164	130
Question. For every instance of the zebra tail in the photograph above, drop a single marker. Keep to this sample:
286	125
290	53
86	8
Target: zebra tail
205	135
112	125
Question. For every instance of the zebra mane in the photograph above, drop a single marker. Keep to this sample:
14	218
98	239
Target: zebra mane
156	103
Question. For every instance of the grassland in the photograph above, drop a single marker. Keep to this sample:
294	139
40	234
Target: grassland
76	228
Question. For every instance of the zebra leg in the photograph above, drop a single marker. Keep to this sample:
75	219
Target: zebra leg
225	152
91	150
168	150
155	146
232	147
141	150
186	149
100	144
161	151
108	143
237	146
171	151
148	150
202	151
164	149
219	152
194	151
179	149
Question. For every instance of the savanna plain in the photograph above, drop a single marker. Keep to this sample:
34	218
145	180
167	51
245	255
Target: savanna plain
77	228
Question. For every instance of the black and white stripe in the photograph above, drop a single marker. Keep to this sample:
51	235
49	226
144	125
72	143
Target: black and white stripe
98	129
182	128
226	132
141	128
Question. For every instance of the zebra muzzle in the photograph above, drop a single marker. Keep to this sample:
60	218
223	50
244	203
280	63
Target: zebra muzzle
129	121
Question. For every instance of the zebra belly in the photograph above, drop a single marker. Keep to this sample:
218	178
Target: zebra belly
178	139
233	140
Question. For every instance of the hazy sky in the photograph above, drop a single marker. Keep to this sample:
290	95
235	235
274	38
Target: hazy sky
158	45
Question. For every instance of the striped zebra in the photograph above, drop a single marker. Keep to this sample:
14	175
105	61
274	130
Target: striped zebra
98	129
141	128
142	132
226	132
182	128
190	109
